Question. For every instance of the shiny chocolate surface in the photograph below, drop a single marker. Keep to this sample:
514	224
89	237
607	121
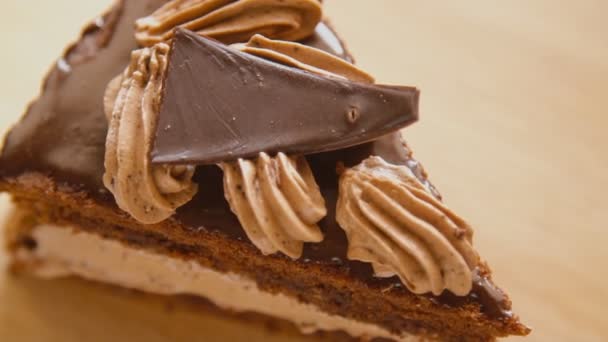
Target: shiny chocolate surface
220	104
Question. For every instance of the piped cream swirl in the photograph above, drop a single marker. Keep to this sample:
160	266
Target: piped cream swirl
276	200
231	21
392	222
304	57
147	192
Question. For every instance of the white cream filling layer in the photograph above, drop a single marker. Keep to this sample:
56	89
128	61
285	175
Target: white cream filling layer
62	252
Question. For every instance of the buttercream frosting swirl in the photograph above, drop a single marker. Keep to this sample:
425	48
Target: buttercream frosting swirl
231	21
394	223
276	200
149	193
304	57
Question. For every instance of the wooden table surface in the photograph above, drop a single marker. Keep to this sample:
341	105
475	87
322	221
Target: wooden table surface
513	132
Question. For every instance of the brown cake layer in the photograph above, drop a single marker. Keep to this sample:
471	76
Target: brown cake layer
329	287
21	224
52	161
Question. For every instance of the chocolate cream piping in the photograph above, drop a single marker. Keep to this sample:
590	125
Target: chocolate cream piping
394	223
304	57
231	21
148	192
277	202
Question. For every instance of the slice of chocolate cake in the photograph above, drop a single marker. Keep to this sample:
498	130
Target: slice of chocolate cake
230	150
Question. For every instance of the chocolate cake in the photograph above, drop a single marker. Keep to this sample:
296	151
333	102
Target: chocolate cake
230	150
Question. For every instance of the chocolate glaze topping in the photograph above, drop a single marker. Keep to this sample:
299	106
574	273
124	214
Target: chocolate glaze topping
63	135
220	104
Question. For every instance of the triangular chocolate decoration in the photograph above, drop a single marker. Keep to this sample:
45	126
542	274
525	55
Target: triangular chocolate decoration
220	104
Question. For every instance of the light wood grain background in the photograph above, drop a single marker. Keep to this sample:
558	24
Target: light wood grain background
513	132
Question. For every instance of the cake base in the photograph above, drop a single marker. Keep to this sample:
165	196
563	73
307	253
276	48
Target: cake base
330	288
113	313
62	251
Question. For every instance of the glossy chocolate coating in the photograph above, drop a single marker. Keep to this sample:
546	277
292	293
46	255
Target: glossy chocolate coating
63	135
220	104
63	132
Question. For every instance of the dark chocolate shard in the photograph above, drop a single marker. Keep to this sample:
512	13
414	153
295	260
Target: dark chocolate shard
220	104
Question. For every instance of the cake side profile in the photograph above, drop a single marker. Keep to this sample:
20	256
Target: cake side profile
326	222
